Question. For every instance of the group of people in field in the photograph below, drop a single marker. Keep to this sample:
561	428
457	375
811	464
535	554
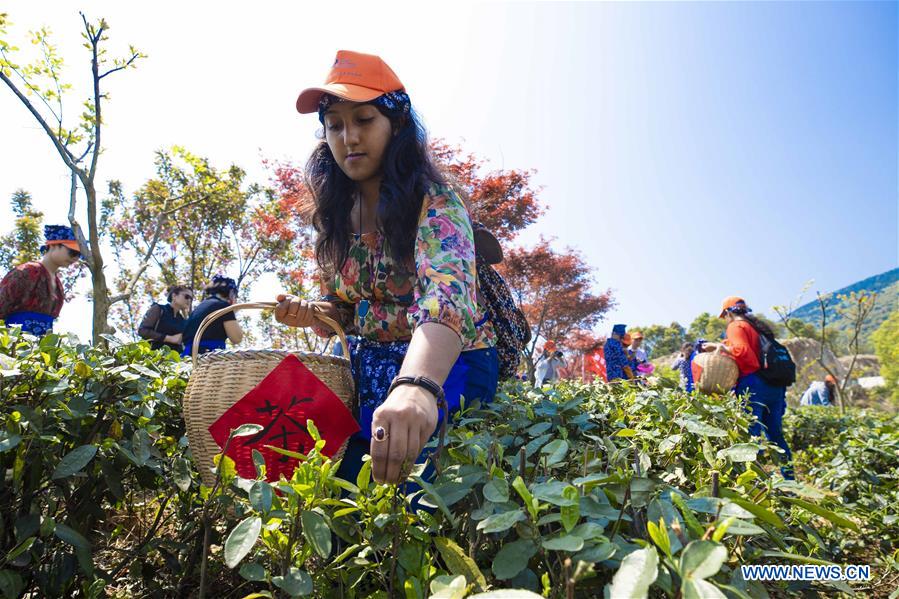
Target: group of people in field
397	257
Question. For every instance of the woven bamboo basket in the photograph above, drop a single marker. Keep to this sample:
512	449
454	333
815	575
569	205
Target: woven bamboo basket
221	378
719	372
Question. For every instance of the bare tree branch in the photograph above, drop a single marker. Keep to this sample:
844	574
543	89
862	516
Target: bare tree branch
64	152
134	57
145	261
94	40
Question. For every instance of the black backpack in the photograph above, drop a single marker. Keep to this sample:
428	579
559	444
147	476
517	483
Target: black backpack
777	366
512	330
509	323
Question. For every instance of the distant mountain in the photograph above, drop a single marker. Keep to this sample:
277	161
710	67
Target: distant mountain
886	285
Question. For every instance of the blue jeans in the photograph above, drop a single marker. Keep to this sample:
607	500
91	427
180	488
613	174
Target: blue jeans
477	372
767	404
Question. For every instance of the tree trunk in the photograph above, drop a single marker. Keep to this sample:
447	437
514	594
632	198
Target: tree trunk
98	277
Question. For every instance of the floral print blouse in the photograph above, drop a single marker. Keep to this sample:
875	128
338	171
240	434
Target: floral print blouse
30	287
380	299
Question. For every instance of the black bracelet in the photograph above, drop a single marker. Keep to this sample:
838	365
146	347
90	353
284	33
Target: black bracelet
420	381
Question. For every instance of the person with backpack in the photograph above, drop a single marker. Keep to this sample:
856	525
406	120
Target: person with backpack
163	324
220	293
397	260
762	379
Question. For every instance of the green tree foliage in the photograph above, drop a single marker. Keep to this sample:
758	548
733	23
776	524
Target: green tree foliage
192	221
886	344
23	243
661	340
706	326
800	328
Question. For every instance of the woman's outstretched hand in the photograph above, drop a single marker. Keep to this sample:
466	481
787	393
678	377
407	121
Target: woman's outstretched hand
408	418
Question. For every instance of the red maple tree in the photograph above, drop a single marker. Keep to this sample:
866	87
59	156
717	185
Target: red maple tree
555	291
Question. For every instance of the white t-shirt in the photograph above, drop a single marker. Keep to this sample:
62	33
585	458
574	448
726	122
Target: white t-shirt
547	369
640	354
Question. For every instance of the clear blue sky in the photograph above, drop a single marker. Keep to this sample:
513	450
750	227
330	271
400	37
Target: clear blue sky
689	150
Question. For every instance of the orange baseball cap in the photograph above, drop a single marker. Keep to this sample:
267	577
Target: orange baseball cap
69	243
730	302
549	345
830	379
354	76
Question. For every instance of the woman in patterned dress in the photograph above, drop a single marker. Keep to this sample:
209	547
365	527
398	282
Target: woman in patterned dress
396	253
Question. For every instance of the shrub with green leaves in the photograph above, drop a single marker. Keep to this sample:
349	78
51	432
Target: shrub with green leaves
580	490
854	456
87	434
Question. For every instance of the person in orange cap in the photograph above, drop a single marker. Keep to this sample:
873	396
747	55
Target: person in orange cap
396	257
820	393
637	347
767	402
546	370
31	294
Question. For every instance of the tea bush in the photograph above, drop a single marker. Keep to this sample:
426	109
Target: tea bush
573	491
567	492
91	438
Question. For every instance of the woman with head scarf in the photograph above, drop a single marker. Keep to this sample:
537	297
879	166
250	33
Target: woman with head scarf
396	253
31	294
767	402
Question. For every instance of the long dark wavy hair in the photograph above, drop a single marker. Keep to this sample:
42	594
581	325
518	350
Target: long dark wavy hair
760	326
407	172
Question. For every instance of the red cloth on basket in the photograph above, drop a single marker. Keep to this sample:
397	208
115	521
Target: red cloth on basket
281	403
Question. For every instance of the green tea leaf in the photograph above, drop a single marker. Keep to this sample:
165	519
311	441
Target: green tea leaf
9	441
741	452
512	558
316	531
637	572
564	543
74	461
253	572
828	515
522	489
181	474
571	513
297	583
501	522
245	430
659	535
555	451
458	562
261	496
71	536
497	490
702	559
241	540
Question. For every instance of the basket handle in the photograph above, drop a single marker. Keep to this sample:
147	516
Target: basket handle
210	318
